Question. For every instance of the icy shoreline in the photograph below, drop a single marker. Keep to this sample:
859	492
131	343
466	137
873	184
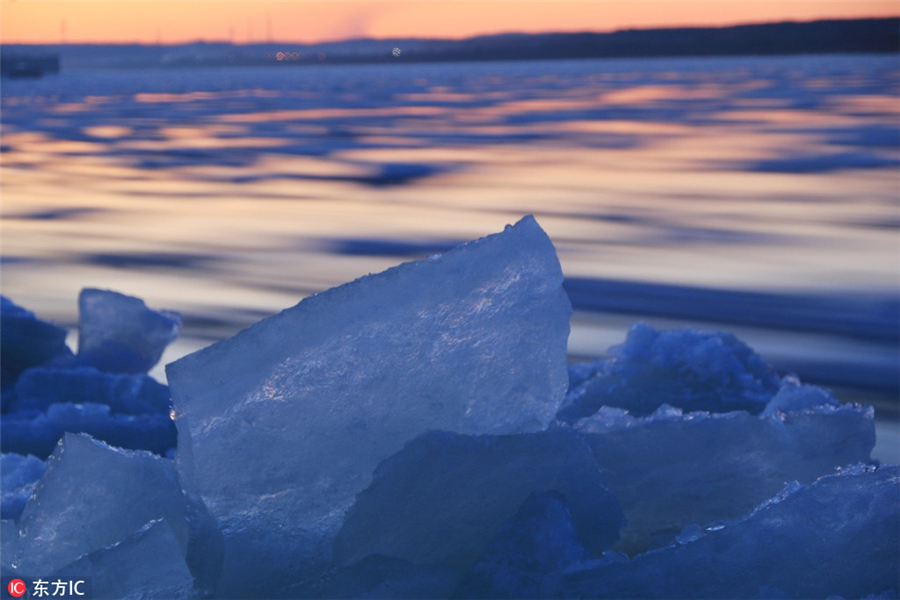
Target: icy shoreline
418	433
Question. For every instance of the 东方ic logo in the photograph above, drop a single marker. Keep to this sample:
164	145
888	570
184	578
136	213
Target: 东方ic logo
16	587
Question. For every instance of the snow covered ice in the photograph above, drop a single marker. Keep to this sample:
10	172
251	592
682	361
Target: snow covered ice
18	476
282	425
38	388
410	434
685	368
26	341
102	391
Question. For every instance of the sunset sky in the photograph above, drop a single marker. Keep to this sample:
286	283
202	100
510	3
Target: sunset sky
171	21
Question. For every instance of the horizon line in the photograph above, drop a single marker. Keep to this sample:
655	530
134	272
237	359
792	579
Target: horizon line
454	39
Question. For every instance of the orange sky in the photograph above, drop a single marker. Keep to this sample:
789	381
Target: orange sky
171	21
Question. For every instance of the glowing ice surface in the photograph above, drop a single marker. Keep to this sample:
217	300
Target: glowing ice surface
283	424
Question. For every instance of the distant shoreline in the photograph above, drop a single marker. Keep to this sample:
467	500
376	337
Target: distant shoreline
849	36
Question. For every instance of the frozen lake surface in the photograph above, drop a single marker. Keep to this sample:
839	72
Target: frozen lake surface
756	195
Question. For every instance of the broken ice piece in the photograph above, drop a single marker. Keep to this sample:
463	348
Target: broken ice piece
18	475
146	565
838	537
39	388
283	424
443	497
793	397
685	368
670	470
27	433
9	546
92	496
119	334
26	341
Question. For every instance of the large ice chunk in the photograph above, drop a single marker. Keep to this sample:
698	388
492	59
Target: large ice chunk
26	341
838	537
282	425
92	496
685	368
670	470
118	333
18	476
444	496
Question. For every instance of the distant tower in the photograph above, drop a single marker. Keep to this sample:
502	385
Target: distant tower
231	34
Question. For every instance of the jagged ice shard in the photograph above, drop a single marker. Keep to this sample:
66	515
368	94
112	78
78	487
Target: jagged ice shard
282	425
119	334
146	565
456	491
837	537
93	496
671	470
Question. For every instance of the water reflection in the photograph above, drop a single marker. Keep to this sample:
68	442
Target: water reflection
756	194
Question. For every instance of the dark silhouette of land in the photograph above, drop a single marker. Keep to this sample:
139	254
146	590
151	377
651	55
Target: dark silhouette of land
817	37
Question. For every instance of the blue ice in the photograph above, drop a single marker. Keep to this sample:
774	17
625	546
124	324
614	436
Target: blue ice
410	435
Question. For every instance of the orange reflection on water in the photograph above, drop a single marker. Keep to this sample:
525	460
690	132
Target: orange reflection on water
873	103
329	113
651	93
156	98
206	143
227	215
107	131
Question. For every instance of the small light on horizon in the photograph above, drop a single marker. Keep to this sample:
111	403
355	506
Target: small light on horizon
280	56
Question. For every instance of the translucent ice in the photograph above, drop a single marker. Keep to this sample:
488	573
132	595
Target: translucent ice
282	425
26	341
146	565
444	496
92	496
685	368
18	475
839	536
671	470
118	333
794	398
9	545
